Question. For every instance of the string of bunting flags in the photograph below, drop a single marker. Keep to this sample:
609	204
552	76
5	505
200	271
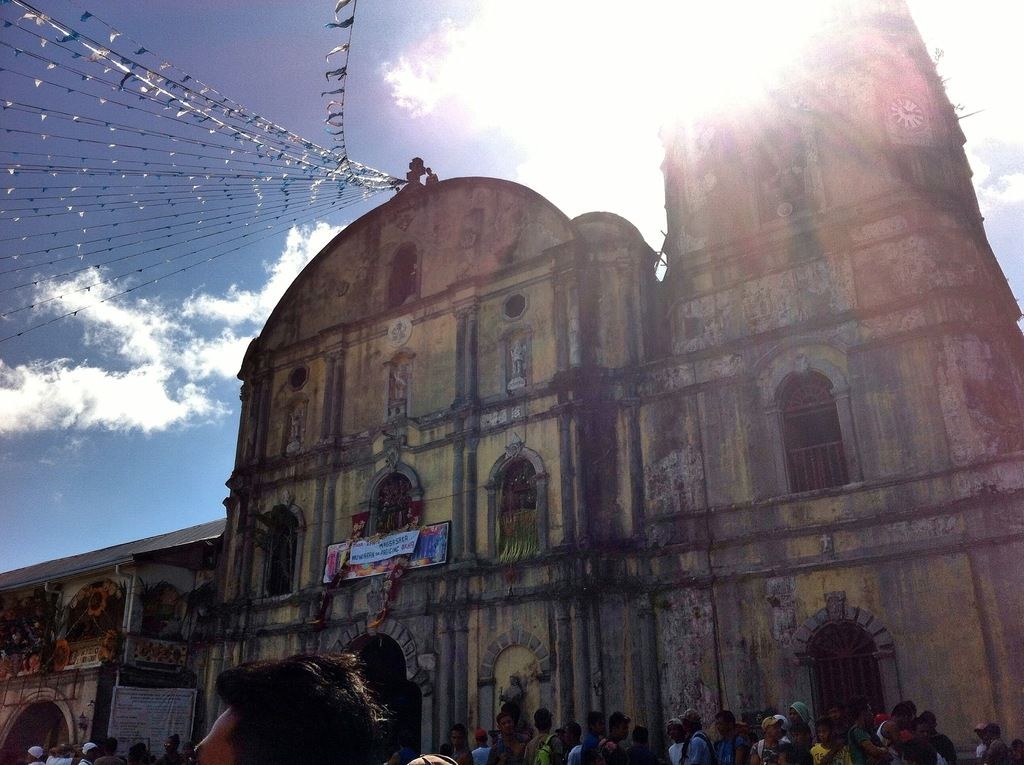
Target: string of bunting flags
112	151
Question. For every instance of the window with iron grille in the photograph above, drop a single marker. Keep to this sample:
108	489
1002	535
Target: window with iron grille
517	512
394	504
813	440
845	665
281	542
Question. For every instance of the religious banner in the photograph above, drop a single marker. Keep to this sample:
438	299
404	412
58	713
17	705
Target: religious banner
369	551
430	549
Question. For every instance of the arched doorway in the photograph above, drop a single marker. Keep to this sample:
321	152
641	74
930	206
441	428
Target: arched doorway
40	724
385	671
845	664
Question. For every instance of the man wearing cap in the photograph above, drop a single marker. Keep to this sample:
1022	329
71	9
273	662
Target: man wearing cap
36	753
677	735
90	752
482	751
996	750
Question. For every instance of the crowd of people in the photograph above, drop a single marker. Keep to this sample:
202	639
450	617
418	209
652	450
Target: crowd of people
320	710
105	752
849	734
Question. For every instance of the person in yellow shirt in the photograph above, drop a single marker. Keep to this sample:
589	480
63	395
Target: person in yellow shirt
831	747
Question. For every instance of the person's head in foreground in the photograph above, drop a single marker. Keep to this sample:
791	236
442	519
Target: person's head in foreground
304	710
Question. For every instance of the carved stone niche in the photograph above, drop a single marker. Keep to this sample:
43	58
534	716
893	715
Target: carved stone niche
398	382
518	362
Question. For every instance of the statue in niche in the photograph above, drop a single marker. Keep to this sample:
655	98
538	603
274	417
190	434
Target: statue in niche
518	350
780	172
399	373
295	429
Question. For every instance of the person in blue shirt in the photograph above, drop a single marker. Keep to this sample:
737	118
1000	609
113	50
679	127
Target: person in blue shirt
732	748
595	730
698	751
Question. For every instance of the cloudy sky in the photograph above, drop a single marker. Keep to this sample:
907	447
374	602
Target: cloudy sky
120	423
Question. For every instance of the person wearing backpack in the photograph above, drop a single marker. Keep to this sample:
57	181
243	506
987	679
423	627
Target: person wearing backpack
699	750
545	748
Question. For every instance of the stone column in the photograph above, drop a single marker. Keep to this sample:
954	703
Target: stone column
460	540
445	678
563	662
492	520
338	396
581	673
472	356
561	327
326	413
651	691
312	538
636	469
245	396
567	471
461	315
460	679
470	513
574	329
543	520
849	433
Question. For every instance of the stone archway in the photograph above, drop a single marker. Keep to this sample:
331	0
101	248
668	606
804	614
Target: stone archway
488	681
837	615
38	723
358	635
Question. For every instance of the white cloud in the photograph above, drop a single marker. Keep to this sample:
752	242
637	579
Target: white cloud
240	306
156	370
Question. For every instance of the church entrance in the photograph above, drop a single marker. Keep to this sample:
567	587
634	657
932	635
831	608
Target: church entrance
385	671
41	724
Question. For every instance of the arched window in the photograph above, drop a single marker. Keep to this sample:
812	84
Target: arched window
811	432
279	539
517	512
404	276
845	664
393	504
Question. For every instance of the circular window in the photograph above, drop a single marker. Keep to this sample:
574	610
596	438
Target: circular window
298	377
515	305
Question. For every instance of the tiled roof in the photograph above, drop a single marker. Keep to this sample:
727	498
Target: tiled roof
60	568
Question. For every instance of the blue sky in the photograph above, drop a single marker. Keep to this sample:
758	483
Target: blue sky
120	423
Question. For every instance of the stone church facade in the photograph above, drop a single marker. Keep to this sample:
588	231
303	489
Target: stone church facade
790	469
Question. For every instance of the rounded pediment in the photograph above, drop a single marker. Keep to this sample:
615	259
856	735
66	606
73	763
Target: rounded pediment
425	241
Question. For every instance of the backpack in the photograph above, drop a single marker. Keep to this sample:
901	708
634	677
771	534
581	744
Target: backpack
546	754
711	747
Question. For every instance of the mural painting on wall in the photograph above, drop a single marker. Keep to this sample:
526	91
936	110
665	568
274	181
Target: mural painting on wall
163	611
94	618
27	627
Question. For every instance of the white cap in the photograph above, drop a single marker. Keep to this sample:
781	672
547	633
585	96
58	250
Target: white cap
36	751
88	746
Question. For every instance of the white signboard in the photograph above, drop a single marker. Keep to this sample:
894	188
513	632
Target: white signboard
390	546
151	715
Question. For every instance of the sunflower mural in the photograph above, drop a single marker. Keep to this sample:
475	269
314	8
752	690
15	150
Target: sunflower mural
95	611
27	625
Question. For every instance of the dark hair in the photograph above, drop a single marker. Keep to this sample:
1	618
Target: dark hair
824	722
512	709
594	717
460	728
110	745
542	719
857	705
137	752
928	716
640	735
904	709
1016	741
301	711
726	716
446	749
918	753
575	729
502	715
617	718
800	727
